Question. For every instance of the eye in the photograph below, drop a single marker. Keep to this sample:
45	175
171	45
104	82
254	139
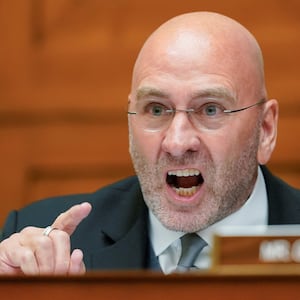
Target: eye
156	109
211	109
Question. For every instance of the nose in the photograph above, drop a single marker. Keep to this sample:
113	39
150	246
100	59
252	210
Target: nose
181	136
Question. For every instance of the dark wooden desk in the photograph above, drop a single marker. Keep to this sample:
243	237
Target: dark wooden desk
144	285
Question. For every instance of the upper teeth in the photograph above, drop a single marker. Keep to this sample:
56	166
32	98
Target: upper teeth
185	172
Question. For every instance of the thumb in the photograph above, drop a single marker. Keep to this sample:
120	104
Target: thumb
69	220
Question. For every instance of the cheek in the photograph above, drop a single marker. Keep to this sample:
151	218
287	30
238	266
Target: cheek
244	140
221	147
147	145
229	144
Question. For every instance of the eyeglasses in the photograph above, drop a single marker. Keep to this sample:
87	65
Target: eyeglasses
155	116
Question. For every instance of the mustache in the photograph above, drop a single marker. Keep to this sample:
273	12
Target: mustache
188	158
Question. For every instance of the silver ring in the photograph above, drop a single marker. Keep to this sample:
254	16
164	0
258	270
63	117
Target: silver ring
48	230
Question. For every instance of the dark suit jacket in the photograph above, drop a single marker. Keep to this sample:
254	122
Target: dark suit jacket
115	234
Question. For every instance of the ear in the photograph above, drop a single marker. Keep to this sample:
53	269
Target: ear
268	131
129	99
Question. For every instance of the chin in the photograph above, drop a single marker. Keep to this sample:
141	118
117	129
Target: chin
183	221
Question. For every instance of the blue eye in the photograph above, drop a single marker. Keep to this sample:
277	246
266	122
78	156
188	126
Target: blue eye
155	109
211	110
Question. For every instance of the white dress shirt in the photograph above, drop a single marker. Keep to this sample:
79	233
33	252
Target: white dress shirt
166	243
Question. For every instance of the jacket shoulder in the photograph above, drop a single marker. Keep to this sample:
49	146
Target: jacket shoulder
283	200
43	212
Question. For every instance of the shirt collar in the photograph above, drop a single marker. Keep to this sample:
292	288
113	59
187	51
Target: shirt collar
253	212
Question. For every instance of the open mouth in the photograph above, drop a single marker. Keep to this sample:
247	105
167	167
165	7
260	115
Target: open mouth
185	182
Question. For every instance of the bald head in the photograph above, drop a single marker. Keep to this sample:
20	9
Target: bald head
212	42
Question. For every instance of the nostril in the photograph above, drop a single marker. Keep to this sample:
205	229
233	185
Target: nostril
177	148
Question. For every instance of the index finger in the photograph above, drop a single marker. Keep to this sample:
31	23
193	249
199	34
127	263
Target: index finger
69	220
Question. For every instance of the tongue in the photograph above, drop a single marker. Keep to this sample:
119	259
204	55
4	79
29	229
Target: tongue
187	182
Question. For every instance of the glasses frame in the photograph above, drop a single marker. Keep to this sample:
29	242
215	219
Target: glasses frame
230	111
226	111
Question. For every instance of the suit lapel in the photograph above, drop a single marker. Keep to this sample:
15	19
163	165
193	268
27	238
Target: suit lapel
120	238
129	252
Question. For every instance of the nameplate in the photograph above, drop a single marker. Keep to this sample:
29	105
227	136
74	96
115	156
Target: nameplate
279	245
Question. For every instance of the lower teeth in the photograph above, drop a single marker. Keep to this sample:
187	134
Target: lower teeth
186	191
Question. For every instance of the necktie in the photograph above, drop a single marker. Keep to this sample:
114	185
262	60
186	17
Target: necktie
191	245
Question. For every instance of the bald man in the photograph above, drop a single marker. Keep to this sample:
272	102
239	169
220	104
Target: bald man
201	127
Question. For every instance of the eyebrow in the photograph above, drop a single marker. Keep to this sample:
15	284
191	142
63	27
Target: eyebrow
150	92
216	92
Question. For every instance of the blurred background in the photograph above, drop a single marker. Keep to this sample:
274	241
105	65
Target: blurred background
65	68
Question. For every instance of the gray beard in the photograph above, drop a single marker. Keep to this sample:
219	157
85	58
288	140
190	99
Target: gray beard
227	186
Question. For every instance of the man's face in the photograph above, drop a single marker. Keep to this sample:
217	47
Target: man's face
192	175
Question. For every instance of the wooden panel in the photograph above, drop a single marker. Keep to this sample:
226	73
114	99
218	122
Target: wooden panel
46	181
60	156
288	144
148	286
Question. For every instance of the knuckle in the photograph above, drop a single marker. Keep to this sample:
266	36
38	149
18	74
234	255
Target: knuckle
42	242
27	230
60	234
26	256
